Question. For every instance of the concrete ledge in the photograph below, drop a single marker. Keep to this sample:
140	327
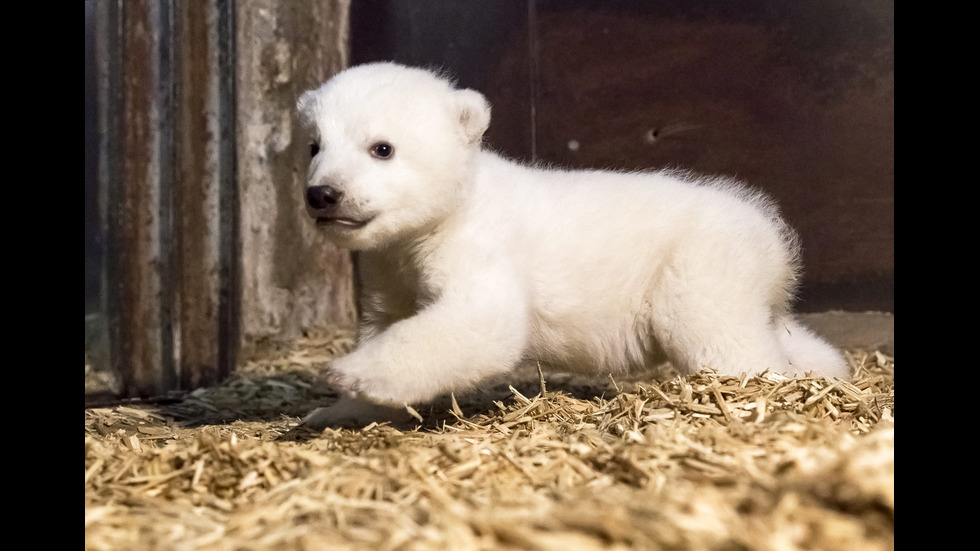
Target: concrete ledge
871	330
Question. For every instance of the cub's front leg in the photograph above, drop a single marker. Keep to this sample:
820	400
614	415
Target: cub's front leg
465	337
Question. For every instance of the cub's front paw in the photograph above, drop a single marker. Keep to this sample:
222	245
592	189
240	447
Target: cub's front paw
334	377
358	376
380	379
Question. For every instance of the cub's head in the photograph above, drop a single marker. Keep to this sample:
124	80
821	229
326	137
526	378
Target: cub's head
391	149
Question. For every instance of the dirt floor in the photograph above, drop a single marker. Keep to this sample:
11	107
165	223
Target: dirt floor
707	462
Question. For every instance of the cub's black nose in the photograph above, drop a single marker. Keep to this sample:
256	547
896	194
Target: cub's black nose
321	197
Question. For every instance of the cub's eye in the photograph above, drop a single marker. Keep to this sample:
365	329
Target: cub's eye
314	149
382	150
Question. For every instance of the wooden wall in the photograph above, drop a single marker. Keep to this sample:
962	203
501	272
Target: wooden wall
795	98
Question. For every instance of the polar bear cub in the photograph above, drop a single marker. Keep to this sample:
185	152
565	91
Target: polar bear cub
470	263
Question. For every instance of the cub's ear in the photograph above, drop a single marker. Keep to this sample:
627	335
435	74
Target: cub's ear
305	107
473	111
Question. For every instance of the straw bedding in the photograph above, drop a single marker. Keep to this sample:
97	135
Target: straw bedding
545	462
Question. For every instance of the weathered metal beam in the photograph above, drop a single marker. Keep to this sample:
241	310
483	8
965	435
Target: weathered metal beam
197	213
103	327
230	260
137	160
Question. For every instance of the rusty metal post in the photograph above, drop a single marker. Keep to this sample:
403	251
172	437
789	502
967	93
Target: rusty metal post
166	127
204	224
200	179
136	153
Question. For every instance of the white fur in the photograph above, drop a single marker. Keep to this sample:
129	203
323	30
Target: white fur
471	263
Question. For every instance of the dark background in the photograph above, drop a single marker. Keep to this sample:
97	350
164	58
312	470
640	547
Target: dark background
796	99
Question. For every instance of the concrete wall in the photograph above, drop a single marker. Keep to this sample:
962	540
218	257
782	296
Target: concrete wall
292	278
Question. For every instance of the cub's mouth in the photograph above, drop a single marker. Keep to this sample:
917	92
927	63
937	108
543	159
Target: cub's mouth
340	222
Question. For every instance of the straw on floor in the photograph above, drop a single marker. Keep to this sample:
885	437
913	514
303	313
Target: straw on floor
536	462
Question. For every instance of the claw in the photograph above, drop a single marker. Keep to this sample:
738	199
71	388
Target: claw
333	378
343	384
